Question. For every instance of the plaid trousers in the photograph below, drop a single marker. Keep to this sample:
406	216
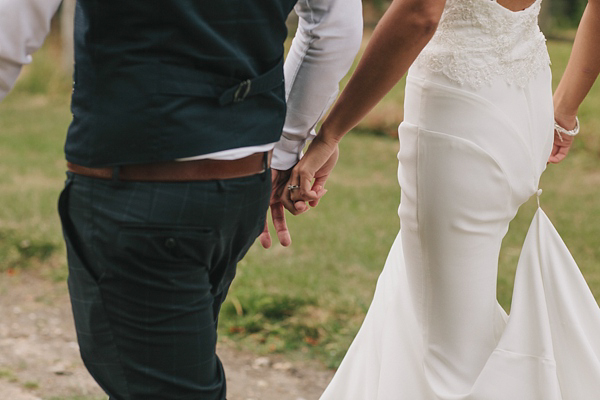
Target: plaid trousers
149	267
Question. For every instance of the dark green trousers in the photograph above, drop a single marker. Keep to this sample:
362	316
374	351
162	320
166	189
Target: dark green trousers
149	267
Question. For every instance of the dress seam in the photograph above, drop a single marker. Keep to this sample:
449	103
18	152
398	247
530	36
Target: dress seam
504	174
546	359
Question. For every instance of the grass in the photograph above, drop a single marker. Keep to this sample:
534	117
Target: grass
33	122
8	375
31	385
306	301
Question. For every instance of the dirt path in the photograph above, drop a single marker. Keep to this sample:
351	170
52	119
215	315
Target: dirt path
39	356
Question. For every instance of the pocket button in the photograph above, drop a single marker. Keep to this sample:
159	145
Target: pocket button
170	243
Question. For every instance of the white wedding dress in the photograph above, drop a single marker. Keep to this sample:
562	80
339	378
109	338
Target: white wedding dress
476	137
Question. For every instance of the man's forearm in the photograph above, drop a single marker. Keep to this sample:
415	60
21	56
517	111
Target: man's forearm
583	67
327	40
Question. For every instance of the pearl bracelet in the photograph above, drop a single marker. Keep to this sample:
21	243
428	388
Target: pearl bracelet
560	130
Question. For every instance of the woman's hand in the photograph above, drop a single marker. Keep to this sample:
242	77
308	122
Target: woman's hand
309	176
562	143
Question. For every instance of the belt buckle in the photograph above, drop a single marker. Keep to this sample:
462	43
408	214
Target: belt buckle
242	91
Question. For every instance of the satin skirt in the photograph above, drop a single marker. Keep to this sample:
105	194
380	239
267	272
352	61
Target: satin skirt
435	331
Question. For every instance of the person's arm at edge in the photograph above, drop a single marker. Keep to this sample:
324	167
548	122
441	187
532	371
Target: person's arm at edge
404	30
328	37
581	73
327	40
24	25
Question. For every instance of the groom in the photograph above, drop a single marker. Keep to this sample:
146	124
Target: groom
177	106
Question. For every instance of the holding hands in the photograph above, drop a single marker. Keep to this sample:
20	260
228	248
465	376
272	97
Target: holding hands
399	37
293	188
308	177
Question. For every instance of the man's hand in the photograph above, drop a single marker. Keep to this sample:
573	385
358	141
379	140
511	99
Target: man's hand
279	180
309	176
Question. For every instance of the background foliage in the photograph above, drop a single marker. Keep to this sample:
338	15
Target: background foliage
565	13
556	14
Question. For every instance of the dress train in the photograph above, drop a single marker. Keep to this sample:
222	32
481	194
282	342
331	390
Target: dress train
549	348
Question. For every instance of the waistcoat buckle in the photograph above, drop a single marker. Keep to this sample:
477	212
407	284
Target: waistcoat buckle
242	91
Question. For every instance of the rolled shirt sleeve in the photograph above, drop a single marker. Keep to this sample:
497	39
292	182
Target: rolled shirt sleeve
326	42
24	25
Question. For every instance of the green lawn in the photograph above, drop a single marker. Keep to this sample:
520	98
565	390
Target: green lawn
307	300
33	122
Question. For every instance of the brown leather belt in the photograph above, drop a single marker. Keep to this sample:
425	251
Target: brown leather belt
180	171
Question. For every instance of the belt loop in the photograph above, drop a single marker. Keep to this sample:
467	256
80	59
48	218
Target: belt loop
265	165
115	173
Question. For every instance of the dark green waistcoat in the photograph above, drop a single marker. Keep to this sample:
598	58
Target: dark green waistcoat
163	79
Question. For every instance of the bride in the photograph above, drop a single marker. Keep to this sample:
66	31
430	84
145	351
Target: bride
476	136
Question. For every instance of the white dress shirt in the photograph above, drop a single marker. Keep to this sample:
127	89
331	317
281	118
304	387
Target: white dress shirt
24	25
326	42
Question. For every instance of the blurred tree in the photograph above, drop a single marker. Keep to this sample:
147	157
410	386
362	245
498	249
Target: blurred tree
546	16
566	13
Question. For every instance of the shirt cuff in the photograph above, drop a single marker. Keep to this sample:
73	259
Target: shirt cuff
288	152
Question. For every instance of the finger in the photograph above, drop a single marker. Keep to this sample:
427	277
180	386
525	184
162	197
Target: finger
280	224
306	189
294	207
300	207
298	197
304	192
319	188
559	152
556	158
320	192
286	196
265	236
288	203
320	181
562	153
552	158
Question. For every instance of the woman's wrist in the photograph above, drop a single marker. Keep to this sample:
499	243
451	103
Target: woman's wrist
328	136
565	109
567	121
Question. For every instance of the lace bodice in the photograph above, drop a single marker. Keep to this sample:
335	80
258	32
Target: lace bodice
479	40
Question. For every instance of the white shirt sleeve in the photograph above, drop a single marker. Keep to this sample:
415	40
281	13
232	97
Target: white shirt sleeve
24	25
326	42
